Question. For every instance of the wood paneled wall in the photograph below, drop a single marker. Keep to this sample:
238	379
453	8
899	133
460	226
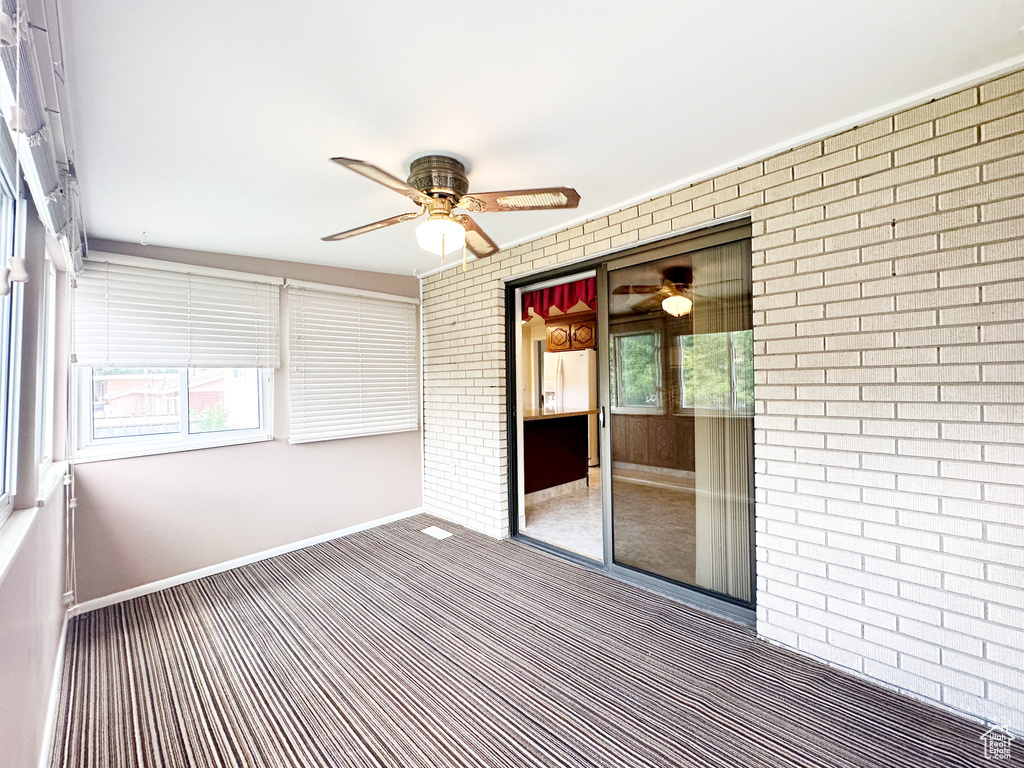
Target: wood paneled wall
657	441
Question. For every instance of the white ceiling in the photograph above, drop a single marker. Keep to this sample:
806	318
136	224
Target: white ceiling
209	123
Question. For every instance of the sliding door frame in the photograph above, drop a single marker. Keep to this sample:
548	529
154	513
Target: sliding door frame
719	234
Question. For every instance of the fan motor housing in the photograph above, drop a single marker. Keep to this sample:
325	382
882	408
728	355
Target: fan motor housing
438	175
679	275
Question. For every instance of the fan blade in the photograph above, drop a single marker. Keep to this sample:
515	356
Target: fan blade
370	227
635	289
649	305
373	173
476	240
545	198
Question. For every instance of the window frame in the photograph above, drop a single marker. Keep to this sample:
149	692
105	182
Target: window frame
680	407
658	354
89	449
46	368
12	224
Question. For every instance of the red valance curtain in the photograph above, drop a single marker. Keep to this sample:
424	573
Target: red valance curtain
562	297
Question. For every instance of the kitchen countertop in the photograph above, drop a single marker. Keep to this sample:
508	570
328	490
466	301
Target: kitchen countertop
536	415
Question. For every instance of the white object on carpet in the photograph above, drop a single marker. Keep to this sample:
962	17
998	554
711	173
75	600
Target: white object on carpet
437	533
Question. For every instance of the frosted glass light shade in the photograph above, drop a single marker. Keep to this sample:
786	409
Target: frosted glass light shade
677	305
440	235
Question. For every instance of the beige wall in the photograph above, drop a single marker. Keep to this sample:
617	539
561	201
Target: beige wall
31	619
888	268
145	519
155	517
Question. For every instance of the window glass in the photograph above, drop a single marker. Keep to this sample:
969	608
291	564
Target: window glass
139	410
716	371
637	360
743	370
129	402
223	399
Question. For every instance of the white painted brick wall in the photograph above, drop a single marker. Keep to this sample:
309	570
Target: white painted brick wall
889	355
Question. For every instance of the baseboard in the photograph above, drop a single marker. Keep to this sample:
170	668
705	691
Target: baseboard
156	586
46	748
669	471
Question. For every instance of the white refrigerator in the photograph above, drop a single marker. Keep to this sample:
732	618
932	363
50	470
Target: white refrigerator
570	384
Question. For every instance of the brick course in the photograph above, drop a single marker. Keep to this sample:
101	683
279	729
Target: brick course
889	354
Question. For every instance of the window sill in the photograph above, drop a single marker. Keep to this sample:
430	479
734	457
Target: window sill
123	451
50	480
635	411
16	526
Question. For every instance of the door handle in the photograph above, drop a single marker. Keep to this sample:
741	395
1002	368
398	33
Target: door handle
600	416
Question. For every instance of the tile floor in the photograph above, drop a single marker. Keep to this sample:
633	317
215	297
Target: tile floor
654	519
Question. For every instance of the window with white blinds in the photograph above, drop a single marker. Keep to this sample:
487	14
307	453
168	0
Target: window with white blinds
353	364
128	315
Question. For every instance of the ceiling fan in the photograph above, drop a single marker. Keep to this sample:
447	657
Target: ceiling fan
438	185
673	295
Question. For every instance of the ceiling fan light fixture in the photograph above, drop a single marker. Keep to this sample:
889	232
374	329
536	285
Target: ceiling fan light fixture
440	235
677	305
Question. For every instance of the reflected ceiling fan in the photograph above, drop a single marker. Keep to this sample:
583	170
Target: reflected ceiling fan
673	295
438	185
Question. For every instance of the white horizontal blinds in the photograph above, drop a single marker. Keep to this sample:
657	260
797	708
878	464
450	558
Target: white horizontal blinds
139	316
234	323
353	365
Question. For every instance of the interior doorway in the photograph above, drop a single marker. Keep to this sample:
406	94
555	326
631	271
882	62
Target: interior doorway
560	497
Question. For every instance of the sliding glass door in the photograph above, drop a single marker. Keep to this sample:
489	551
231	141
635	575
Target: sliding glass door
680	382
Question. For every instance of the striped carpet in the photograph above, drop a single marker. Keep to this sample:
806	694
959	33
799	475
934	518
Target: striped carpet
391	648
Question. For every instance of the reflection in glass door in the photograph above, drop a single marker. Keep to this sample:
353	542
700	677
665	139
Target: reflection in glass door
681	382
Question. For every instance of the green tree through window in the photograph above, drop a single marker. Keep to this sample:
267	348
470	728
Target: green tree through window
637	366
717	370
213	418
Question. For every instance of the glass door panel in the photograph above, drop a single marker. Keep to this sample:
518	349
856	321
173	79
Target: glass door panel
681	382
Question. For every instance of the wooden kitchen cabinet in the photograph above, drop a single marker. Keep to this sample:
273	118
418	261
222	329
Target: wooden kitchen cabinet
568	333
583	334
558	337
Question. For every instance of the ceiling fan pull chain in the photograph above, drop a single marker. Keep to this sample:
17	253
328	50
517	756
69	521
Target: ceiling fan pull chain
463	257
